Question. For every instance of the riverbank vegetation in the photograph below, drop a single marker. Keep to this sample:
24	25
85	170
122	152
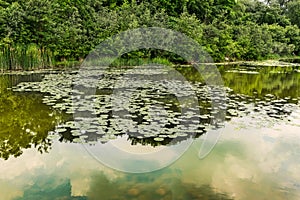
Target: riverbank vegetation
40	34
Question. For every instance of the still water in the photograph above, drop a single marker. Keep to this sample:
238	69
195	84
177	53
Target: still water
53	147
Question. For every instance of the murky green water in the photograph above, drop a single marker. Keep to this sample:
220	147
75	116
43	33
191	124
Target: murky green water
45	134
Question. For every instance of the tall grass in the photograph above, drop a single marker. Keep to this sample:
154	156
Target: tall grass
140	61
24	57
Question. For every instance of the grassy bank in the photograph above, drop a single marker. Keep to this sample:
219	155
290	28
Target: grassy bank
17	58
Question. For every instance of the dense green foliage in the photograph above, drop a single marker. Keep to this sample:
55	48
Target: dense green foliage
38	33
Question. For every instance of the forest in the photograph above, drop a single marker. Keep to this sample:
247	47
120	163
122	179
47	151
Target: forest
47	33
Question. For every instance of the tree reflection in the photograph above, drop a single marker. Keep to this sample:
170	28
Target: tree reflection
270	80
155	185
279	81
24	121
48	188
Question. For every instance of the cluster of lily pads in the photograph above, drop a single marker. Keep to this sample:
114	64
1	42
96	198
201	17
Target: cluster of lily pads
146	104
138	104
264	111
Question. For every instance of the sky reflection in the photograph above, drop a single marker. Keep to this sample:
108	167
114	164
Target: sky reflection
245	164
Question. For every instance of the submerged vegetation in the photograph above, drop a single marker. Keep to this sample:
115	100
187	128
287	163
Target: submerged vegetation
39	34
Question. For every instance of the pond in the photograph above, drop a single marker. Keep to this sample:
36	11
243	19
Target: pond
136	133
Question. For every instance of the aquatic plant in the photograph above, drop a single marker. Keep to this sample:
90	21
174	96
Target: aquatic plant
25	57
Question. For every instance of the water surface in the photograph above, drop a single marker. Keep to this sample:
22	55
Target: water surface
256	157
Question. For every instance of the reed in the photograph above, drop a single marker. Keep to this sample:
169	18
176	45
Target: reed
25	57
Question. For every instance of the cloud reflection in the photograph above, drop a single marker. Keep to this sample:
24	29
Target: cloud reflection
245	164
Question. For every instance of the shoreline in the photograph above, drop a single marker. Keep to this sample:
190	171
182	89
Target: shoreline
265	63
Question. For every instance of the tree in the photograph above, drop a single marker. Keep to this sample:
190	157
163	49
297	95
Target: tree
293	12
